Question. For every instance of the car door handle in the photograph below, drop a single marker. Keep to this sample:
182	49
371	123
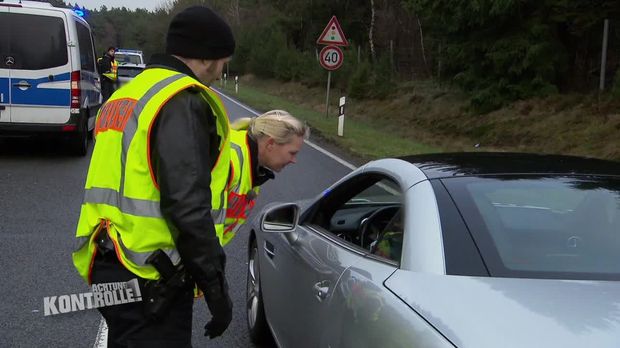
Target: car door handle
322	289
22	84
269	249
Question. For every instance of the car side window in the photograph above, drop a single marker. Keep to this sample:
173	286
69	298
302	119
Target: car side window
360	210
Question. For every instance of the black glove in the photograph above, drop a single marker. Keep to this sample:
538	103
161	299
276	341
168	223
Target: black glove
220	305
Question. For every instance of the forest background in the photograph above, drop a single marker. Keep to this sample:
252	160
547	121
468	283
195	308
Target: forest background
445	75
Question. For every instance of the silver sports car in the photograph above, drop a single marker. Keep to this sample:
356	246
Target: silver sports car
449	250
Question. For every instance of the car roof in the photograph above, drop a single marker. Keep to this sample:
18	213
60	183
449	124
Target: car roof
442	165
131	65
128	51
25	3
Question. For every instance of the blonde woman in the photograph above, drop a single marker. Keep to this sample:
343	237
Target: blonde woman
260	146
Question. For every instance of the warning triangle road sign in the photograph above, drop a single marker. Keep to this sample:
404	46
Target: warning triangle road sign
332	34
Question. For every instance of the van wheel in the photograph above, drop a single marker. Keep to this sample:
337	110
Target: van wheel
257	322
79	141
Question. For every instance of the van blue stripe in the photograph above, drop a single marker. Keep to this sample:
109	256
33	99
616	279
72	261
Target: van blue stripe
4	89
37	96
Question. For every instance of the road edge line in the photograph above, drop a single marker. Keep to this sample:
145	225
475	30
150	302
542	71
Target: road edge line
101	341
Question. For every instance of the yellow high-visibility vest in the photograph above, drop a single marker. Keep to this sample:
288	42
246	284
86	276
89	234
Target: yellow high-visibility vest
241	194
113	73
121	193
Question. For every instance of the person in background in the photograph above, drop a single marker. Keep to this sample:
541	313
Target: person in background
108	69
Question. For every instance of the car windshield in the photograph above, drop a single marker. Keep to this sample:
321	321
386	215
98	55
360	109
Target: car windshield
543	227
123	58
126	71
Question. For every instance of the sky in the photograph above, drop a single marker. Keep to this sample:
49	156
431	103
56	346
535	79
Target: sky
129	4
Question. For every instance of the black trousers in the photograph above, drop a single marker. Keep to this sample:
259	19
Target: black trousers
107	88
127	324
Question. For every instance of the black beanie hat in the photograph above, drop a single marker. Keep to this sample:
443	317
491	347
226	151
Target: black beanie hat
198	32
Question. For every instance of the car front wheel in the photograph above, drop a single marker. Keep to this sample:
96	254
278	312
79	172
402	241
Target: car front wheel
257	322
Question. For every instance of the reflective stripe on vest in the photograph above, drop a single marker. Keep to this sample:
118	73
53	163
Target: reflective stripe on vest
138	207
120	188
241	194
113	73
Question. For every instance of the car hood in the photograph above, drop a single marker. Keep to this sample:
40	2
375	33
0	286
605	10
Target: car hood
506	312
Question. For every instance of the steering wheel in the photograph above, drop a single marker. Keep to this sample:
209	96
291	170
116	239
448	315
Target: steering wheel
371	224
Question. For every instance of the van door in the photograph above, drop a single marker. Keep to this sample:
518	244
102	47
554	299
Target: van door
40	76
90	85
5	70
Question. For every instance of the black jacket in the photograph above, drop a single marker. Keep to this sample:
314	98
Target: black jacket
184	147
104	64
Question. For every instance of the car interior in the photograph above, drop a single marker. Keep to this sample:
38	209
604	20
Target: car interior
365	212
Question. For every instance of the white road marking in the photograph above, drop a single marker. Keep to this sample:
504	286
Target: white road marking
101	341
316	147
102	335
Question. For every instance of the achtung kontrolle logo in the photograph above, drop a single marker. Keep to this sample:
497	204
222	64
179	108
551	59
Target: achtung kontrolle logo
102	295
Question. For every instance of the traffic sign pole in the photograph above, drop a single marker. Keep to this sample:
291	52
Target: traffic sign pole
331	56
329	77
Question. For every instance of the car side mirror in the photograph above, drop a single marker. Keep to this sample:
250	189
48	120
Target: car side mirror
281	218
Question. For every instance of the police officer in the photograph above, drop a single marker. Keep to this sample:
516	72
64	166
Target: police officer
156	186
259	146
108	68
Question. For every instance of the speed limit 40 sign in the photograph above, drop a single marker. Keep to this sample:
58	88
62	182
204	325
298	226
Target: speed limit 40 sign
331	57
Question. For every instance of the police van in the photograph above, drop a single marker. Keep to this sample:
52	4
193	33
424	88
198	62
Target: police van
48	77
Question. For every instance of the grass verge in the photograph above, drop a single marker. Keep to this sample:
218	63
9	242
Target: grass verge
423	117
361	138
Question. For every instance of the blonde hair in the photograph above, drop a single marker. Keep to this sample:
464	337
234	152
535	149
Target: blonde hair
277	124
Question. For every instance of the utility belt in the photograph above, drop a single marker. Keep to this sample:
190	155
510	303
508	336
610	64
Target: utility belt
158	294
104	244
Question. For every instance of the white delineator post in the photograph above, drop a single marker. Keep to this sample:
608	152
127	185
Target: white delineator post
341	117
225	77
237	84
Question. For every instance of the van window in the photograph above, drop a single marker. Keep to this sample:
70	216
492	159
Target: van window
4	37
87	54
36	42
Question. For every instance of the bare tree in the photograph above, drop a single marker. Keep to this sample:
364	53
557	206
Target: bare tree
371	30
422	43
234	12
